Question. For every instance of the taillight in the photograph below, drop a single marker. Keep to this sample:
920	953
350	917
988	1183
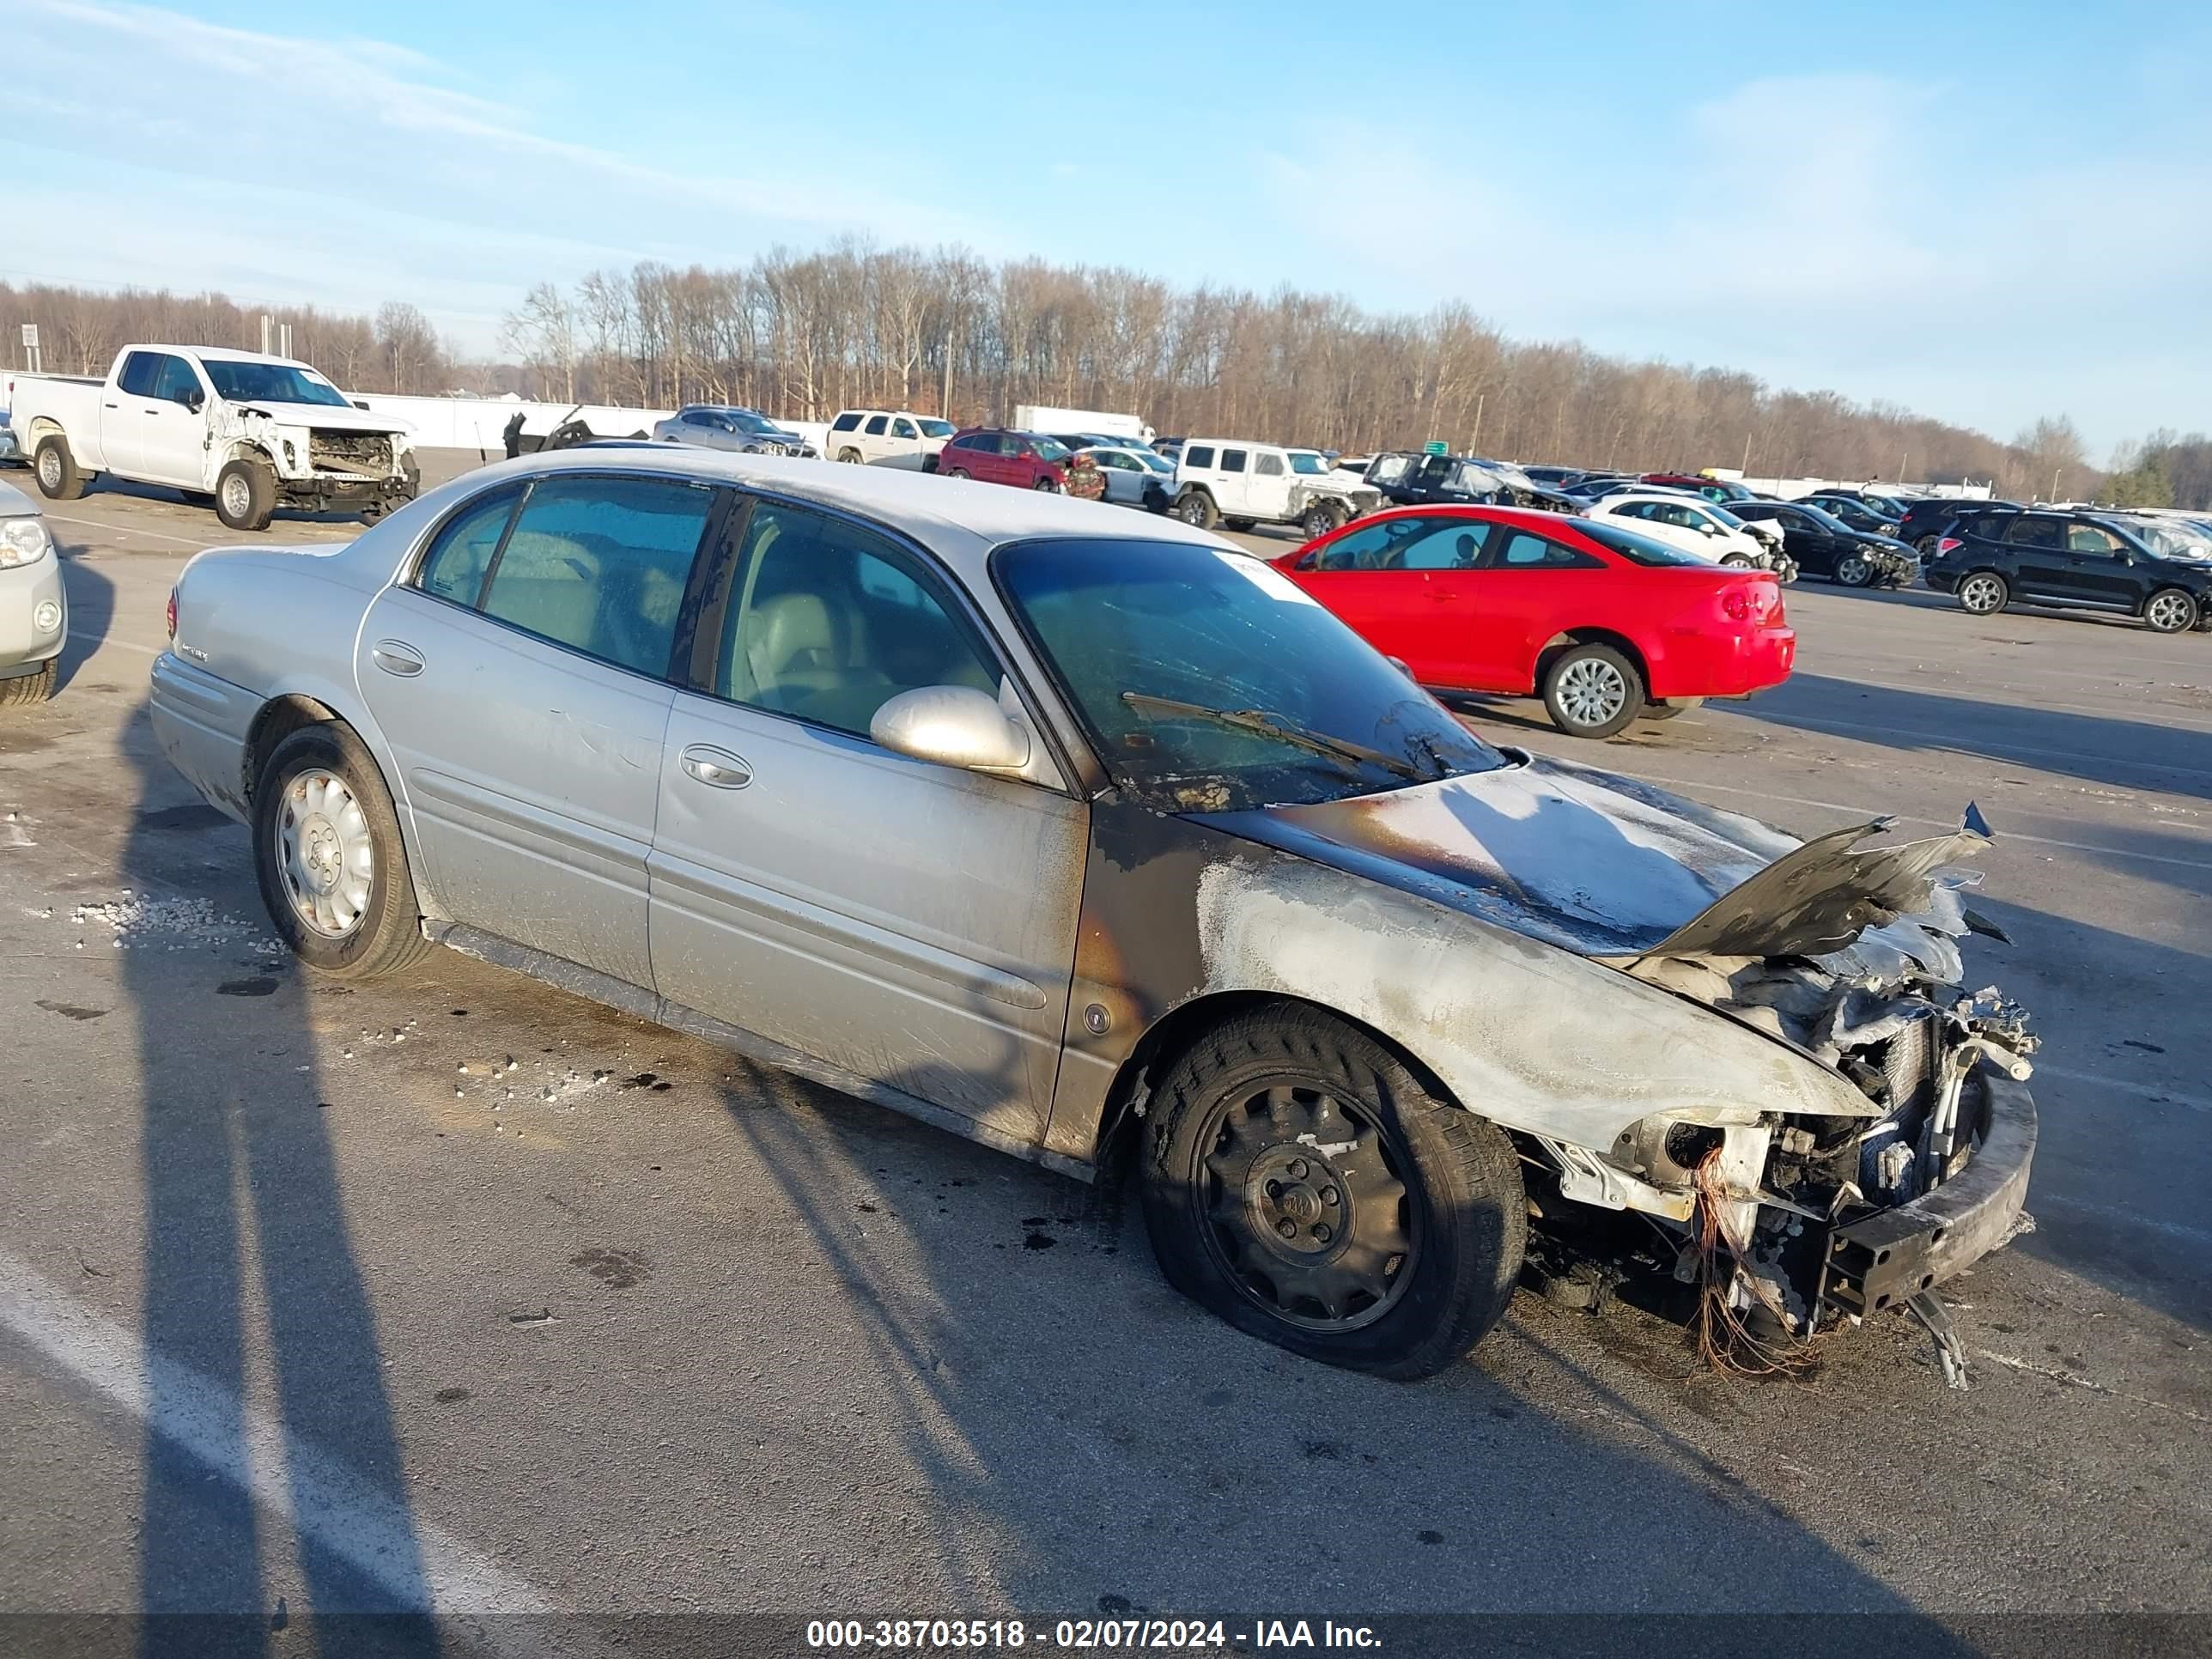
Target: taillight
1947	544
172	615
1735	605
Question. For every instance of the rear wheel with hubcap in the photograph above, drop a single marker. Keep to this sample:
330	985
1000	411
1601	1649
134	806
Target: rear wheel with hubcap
1592	691
56	470
327	848
1301	1183
2171	612
1984	592
849	457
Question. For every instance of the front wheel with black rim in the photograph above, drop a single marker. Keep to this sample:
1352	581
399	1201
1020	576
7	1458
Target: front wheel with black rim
1853	570
1592	691
1195	508
2171	612
1982	592
1303	1185
332	866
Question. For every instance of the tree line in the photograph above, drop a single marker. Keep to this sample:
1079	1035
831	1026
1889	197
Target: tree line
800	334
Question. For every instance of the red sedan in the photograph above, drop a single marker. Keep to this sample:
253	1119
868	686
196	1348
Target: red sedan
1603	623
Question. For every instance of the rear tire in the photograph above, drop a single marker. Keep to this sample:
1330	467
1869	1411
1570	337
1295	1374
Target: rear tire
245	495
1196	507
332	862
27	690
850	457
2171	611
956	471
1592	691
56	471
1982	592
1300	1183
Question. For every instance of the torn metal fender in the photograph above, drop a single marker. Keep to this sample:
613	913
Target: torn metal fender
1822	897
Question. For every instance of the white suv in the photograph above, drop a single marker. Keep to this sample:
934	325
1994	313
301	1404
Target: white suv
886	437
1243	484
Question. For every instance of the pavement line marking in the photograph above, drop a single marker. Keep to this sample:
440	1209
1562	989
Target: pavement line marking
129	530
2145	1091
1909	818
110	639
2125	1218
318	1495
2059	1374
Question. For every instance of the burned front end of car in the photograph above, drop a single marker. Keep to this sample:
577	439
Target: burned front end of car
1789	1221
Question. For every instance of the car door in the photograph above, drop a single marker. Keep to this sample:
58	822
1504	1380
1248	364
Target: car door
1374	578
2036	543
2101	568
172	433
521	679
904	446
909	924
125	409
874	438
1805	539
1232	483
1518	595
1267	486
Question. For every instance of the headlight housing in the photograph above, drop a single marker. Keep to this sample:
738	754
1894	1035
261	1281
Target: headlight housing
23	541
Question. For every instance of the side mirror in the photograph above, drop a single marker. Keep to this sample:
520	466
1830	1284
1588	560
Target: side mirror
1401	665
1710	528
193	400
360	403
953	725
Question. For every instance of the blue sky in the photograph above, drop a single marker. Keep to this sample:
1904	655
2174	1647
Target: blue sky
1986	213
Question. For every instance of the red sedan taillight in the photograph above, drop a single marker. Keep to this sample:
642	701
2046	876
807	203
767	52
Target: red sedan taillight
172	615
1735	605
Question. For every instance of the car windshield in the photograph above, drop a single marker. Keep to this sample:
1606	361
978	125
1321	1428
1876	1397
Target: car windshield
1158	463
2174	538
1725	515
269	383
1048	449
936	428
1308	461
745	421
1179	659
1634	545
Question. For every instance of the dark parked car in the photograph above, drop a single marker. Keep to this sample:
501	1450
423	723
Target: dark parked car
1410	480
1855	511
1928	520
1824	545
2078	560
1027	460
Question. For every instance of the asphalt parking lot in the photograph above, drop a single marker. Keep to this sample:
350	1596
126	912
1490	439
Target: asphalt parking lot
480	1291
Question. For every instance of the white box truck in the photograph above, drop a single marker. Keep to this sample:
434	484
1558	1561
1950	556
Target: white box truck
1084	422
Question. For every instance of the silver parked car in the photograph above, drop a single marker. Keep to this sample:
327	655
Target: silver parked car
1134	477
719	426
34	609
1068	830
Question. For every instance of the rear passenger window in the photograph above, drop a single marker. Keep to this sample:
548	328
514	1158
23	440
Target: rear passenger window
2037	532
1200	456
875	428
831	621
600	565
139	369
454	566
1232	460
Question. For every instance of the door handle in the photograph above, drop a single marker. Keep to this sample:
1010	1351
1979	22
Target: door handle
717	768
111	405
396	656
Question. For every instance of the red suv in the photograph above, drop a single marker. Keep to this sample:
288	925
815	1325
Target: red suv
1027	460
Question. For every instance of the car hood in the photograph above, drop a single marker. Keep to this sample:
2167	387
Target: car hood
330	417
1612	868
1886	543
14	504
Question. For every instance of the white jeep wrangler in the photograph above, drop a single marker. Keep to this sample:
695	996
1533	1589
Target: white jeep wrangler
1241	484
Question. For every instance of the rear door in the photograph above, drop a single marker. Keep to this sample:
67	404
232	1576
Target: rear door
2036	544
907	923
875	438
521	676
1232	488
125	409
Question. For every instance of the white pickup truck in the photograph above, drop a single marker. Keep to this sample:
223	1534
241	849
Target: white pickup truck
254	433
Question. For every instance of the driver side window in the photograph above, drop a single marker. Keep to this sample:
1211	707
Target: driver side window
829	621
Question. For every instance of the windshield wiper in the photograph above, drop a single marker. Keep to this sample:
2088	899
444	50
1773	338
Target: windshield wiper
1272	725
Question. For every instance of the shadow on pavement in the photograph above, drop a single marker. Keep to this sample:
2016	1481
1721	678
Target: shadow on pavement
246	1231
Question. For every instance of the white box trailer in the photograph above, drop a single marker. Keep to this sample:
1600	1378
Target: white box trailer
1039	417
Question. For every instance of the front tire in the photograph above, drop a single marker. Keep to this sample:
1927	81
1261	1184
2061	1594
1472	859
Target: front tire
1303	1185
245	495
1593	691
333	865
1320	519
1852	570
2170	611
1737	562
56	471
1051	486
1982	592
27	691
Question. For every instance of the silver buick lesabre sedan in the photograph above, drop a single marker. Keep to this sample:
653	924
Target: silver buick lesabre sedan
33	608
1073	833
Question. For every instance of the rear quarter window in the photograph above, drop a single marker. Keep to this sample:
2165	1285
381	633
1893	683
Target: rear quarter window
1201	457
